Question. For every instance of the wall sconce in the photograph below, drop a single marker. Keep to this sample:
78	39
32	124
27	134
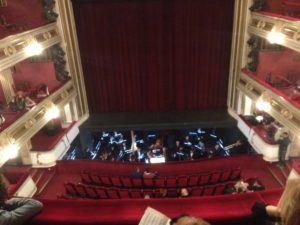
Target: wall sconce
275	37
52	113
33	48
9	151
263	103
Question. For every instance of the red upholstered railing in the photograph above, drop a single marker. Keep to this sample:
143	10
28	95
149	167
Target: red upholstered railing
229	209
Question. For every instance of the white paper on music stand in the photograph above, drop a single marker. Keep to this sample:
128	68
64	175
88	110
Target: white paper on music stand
154	217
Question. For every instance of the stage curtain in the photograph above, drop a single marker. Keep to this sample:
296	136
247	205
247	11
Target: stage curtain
155	55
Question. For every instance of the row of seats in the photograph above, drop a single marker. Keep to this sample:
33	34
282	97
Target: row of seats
161	181
94	192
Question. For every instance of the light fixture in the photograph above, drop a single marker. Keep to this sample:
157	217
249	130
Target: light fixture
9	152
259	118
263	105
275	37
33	48
52	113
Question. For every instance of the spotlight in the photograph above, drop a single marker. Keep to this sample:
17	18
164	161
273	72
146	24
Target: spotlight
262	105
33	48
275	37
52	113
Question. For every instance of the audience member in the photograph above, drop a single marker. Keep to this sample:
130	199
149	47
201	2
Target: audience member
283	143
184	192
16	211
188	220
287	210
241	186
137	173
148	174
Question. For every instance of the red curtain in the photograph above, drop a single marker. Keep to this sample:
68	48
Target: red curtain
155	55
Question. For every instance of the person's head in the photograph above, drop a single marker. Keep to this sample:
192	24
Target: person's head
184	192
188	220
3	191
289	204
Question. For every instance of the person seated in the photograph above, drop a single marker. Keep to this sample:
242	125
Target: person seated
137	173
241	186
255	185
16	211
184	193
42	91
287	210
148	174
185	219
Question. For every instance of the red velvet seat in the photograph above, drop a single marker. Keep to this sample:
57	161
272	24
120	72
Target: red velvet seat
80	188
137	182
172	192
116	181
196	191
105	180
101	191
182	181
95	179
208	190
225	175
204	179
236	174
193	180
135	193
160	182
85	178
171	182
126	181
124	193
112	193
148	192
215	177
91	192
148	182
160	192
70	189
219	189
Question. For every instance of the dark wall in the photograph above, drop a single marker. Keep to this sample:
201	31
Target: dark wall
155	55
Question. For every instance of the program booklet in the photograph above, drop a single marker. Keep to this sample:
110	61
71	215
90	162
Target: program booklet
154	217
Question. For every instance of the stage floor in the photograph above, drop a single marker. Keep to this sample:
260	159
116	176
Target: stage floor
158	121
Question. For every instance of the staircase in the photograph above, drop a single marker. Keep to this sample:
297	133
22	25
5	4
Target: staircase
280	174
42	177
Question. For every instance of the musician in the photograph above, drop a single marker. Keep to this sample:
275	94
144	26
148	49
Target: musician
139	155
199	150
179	153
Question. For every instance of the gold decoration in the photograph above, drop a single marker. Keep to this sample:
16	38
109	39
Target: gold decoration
64	94
30	123
47	35
9	50
249	87
297	36
286	114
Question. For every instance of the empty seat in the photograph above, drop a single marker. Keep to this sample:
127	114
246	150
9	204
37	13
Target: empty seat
101	191
160	182
112	193
137	182
171	182
105	180
148	193
124	193
148	182
172	192
135	193
219	190
95	179
80	188
116	181
196	191
126	181
208	190
193	180
70	189
214	177
204	179
91	192
235	174
182	181
85	178
225	175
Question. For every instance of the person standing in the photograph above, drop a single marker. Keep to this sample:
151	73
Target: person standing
283	143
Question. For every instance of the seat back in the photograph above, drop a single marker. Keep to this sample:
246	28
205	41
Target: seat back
171	182
112	193
116	181
95	179
91	192
70	189
80	188
105	180
160	182
85	178
196	191
137	182
124	193
101	192
135	193
204	179
193	180
182	181
208	190
148	182
126	181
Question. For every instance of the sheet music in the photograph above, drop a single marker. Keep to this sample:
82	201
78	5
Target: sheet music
153	217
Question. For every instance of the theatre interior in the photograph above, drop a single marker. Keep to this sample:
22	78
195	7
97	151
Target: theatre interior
196	94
